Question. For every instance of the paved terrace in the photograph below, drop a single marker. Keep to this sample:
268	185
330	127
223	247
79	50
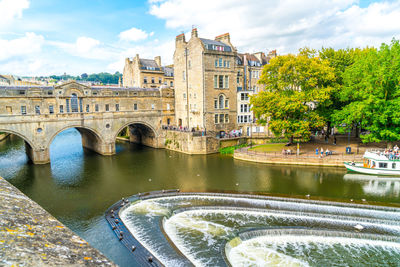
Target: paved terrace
335	160
30	236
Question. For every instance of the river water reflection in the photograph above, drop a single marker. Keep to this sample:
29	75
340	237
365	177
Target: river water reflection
79	185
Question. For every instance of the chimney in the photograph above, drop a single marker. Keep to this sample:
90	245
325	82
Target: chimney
180	38
194	33
259	56
157	59
225	38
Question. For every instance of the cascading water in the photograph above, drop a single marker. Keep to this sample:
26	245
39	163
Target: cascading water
213	229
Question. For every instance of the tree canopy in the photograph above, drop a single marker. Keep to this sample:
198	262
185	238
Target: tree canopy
372	88
294	84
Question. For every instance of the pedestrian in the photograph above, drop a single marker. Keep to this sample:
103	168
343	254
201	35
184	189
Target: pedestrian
316	151
334	140
322	152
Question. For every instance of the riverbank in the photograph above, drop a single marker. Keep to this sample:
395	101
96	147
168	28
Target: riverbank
30	236
307	159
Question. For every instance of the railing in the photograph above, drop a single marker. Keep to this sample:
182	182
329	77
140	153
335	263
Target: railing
303	155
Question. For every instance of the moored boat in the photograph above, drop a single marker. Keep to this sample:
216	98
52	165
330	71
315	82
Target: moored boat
376	162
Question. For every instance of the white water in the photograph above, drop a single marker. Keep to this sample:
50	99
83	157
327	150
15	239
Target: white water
201	232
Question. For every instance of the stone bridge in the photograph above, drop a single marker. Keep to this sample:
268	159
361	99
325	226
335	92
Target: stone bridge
39	114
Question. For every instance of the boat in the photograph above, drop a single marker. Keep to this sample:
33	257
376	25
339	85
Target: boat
376	162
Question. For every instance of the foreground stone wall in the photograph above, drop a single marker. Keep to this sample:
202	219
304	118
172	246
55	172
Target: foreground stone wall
187	142
30	236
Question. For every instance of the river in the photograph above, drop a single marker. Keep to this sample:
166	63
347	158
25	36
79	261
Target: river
79	185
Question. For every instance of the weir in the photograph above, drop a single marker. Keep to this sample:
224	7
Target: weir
178	228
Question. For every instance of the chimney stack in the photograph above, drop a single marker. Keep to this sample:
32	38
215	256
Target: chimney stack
157	59
194	33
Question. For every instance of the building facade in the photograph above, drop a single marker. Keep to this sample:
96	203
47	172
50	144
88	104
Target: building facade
205	92
249	69
147	73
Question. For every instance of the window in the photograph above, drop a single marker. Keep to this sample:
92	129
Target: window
21	92
61	109
152	80
393	165
215	103
216	118
152	106
226	85
145	80
244	96
215	81
220	81
221	118
159	80
189	64
96	107
383	165
67	101
50	92
51	109
37	110
226	118
135	106
228	63
184	75
81	104
224	63
221	101
74	103
226	103
220	62
168	107
245	118
216	63
87	108
107	107
195	96
171	83
116	107
23	110
184	95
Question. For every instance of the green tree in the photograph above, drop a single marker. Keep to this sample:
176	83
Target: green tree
372	87
339	60
294	84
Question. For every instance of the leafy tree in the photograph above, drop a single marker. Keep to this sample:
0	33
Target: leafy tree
294	84
84	76
372	86
339	60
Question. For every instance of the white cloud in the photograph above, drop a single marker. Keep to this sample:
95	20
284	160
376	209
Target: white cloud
86	44
30	43
285	25
134	34
10	9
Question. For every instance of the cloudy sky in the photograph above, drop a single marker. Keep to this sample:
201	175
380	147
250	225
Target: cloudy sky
43	37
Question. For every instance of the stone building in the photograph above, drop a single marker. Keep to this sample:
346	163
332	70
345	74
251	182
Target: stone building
147	73
205	92
249	68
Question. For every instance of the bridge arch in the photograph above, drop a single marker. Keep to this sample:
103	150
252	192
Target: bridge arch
141	132
22	136
91	138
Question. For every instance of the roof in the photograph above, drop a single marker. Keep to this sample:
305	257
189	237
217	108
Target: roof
209	43
24	87
148	63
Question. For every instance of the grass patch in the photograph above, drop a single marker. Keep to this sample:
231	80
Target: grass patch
230	149
269	148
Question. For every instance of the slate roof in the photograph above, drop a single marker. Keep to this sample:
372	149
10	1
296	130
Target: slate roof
168	71
148	63
207	43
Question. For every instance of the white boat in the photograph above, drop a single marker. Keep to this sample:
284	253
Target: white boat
376	162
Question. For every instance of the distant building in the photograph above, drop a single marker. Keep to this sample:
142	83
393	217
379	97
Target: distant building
249	69
147	73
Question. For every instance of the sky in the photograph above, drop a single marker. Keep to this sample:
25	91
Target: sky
45	37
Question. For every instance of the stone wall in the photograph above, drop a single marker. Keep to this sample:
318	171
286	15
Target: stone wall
30	236
187	142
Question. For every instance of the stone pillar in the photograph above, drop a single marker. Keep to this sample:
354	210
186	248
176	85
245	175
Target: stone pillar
37	156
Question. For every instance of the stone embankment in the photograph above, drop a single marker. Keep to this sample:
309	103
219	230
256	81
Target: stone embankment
310	159
30	236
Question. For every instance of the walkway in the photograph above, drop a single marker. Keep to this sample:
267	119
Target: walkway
30	236
312	159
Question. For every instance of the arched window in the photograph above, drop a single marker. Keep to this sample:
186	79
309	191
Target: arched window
221	101
74	103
